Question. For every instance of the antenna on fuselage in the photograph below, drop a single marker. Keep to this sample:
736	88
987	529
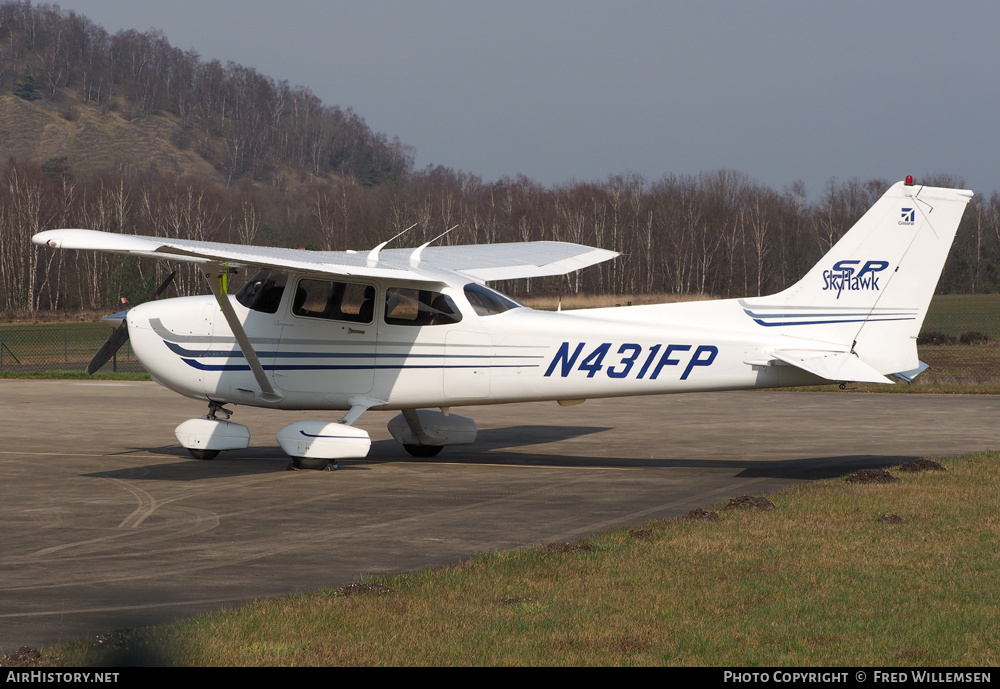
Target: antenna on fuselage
373	254
415	256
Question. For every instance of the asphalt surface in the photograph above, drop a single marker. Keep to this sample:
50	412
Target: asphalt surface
107	523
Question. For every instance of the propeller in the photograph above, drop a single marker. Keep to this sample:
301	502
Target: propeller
120	335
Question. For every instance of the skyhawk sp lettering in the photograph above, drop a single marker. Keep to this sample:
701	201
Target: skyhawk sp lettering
842	277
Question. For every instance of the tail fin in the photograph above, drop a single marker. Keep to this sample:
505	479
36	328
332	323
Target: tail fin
871	291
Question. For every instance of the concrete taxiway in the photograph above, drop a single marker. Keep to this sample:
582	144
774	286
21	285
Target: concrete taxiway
107	523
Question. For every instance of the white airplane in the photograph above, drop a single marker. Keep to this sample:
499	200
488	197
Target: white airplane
417	330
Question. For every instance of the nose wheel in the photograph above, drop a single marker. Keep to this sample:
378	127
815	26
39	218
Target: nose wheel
203	454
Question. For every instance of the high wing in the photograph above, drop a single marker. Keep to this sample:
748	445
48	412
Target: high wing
486	262
479	262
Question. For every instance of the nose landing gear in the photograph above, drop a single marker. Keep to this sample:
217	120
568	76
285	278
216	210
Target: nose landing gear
207	436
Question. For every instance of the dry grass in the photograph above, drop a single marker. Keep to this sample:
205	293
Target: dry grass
94	139
948	362
820	580
549	302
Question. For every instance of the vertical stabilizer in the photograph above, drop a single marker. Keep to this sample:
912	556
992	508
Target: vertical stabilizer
871	291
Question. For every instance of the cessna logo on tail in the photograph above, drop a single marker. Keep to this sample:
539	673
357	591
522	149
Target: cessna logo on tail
908	216
843	276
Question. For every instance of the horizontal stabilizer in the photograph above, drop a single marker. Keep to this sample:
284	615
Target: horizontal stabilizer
834	366
908	376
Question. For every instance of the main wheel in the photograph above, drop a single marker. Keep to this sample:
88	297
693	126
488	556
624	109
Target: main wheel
310	463
423	450
203	454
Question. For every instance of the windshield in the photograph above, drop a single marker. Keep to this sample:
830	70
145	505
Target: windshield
263	291
488	302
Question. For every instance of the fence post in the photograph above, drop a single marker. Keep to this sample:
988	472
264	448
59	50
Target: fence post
65	345
1	350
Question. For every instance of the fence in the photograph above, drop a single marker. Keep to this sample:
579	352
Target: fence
960	339
62	346
960	342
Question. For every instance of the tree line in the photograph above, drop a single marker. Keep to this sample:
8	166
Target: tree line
718	233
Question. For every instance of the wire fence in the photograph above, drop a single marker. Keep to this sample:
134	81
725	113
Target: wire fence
60	347
960	342
960	339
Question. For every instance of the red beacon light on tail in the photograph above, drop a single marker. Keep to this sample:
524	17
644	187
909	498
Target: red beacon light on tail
909	180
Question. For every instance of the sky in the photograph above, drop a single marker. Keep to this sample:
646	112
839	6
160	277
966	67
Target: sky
569	91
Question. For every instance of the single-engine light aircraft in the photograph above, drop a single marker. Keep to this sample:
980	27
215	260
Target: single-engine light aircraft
417	330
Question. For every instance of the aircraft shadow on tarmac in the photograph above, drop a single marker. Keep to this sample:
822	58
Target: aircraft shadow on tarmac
492	448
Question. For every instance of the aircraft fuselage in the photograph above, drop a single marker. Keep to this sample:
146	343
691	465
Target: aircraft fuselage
323	361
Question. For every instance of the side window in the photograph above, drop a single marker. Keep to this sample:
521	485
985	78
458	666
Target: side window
338	301
263	291
487	302
407	306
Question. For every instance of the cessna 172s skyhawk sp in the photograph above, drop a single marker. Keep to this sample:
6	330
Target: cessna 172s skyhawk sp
415	329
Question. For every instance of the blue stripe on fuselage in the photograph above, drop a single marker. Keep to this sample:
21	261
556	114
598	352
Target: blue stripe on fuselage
237	354
341	367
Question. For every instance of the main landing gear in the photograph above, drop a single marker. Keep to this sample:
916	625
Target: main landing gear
317	445
311	444
424	432
310	463
423	450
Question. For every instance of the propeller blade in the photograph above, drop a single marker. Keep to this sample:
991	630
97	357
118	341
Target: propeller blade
163	285
108	349
120	335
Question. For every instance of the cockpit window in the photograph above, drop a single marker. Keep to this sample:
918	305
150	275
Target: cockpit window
488	302
407	306
339	301
263	291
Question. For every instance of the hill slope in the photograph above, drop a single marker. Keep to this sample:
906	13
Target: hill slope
93	140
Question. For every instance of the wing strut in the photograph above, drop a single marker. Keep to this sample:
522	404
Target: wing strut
215	279
426	437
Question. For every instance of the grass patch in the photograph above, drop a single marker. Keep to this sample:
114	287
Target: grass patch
822	579
955	314
920	387
551	301
72	375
